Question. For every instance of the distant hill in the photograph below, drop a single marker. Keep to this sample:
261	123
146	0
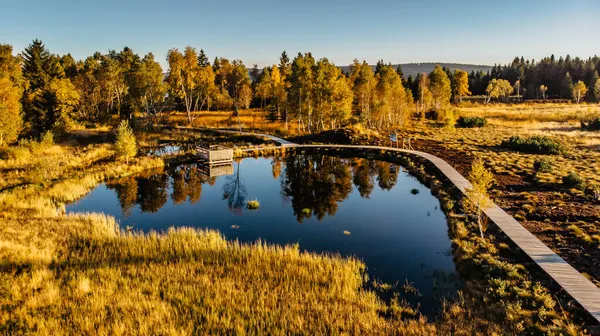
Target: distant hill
416	68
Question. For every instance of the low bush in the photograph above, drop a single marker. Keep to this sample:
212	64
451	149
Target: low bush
592	125
253	204
534	145
471	122
573	180
542	166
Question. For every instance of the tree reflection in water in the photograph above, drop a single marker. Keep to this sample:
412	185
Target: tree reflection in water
127	192
314	184
150	189
317	184
187	183
234	191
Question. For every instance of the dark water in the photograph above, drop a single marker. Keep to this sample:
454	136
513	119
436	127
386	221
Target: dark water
393	223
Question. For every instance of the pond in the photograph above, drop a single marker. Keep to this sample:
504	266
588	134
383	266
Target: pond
355	207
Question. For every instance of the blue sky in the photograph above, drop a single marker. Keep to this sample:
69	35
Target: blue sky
398	31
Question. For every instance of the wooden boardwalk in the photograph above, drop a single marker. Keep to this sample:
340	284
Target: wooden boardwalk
579	288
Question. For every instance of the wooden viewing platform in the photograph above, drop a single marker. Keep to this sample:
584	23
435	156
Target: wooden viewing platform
215	154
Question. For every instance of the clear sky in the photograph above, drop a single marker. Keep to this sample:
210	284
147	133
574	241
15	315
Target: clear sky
256	31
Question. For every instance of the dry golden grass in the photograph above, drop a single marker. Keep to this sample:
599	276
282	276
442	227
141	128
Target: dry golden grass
514	115
249	119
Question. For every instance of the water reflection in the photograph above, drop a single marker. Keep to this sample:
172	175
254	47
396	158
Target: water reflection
313	184
234	191
316	184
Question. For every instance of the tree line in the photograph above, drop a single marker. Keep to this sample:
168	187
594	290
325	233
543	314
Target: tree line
42	91
563	78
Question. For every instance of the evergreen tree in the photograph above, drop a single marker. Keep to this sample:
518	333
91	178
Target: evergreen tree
40	68
380	65
594	88
401	74
254	73
567	87
203	59
409	82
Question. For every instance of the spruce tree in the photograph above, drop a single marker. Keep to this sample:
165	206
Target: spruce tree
379	67
567	87
203	59
40	68
594	88
401	74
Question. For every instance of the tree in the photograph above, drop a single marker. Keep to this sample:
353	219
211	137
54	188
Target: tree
148	86
301	82
40	68
567	87
392	103
239	84
10	110
477	198
10	65
363	85
64	98
594	88
439	85
203	59
462	83
401	74
187	80
543	90
579	91
332	95
10	95
125	146
245	96
285	70
498	88
424	96
262	89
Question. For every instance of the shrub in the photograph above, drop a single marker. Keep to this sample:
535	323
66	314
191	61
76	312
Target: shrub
253	204
592	125
573	180
471	122
534	145
126	146
542	166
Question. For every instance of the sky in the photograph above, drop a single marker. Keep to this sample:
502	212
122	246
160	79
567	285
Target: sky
257	31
